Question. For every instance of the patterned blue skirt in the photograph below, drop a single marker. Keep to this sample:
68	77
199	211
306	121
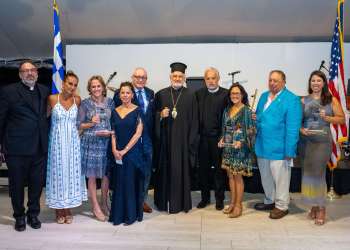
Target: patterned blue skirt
94	156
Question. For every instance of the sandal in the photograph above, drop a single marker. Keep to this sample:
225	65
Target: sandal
228	209
313	212
99	215
60	216
236	212
68	217
320	216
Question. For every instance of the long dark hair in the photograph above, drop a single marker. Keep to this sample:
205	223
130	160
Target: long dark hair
326	96
243	94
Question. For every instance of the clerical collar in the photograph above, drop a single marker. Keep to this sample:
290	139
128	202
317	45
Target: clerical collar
30	87
177	89
213	90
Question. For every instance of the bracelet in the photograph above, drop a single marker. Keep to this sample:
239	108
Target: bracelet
127	148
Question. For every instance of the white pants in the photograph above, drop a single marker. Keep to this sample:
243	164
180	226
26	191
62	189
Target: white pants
275	179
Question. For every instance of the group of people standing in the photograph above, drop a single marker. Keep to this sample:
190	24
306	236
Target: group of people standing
121	140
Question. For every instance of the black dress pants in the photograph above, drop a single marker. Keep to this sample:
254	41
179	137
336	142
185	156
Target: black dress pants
26	170
210	156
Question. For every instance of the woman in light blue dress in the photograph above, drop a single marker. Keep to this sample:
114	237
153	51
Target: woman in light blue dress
65	184
94	119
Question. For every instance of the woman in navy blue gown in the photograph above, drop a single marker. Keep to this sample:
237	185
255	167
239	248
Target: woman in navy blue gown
128	147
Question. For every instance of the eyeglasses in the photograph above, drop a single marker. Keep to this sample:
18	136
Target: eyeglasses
140	77
33	70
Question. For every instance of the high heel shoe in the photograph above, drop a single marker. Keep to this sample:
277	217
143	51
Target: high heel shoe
320	216
313	212
60	216
68	217
236	212
99	215
228	209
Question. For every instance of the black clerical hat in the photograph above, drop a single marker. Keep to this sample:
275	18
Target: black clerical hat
178	66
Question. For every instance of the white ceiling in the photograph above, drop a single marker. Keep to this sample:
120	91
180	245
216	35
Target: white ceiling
26	25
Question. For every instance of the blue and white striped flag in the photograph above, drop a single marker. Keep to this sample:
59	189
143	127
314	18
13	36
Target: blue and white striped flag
57	67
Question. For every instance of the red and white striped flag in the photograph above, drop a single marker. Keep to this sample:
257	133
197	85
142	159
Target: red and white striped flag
336	83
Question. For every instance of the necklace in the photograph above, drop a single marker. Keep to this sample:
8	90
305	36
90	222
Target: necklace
174	111
235	109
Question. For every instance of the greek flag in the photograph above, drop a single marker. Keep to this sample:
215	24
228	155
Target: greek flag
57	67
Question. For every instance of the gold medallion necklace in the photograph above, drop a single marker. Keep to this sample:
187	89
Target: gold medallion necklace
174	111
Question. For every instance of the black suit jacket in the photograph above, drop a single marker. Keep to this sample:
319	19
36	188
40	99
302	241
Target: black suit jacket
149	115
23	130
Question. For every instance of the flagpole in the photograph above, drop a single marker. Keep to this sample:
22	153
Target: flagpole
57	67
337	79
332	195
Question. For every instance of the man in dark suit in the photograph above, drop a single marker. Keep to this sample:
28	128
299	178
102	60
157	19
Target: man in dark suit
23	135
212	101
144	98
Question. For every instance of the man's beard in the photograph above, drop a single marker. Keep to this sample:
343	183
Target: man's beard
212	87
29	82
176	85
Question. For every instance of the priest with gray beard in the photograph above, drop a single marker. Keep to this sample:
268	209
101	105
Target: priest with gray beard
176	126
212	101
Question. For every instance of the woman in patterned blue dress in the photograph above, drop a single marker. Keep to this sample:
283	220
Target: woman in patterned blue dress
94	119
238	131
65	185
127	149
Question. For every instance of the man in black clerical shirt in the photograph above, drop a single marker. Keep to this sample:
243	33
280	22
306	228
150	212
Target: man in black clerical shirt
176	126
24	137
212	101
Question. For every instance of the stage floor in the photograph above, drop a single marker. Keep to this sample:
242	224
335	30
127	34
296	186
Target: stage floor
198	229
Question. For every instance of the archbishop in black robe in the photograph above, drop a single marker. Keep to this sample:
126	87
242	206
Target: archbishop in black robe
175	149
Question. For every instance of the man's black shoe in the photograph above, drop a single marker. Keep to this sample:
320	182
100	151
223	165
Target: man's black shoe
20	224
264	207
219	205
34	222
203	204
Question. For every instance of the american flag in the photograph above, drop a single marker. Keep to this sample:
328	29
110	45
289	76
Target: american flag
57	68
336	84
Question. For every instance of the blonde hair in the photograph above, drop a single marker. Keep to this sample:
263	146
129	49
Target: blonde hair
100	79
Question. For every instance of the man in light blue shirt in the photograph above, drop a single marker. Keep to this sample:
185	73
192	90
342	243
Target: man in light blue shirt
278	115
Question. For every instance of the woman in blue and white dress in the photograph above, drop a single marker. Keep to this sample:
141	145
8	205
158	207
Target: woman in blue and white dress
65	184
94	118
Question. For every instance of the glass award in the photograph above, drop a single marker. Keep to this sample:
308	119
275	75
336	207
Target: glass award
103	127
